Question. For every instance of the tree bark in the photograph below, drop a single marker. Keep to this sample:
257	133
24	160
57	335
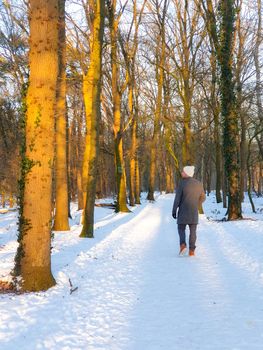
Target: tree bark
94	117
33	255
258	76
216	112
137	182
228	109
61	222
133	146
240	114
79	161
222	37
120	173
250	177
87	95
187	147
160	80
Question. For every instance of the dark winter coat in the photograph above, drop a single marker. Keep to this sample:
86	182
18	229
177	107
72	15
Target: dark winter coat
189	196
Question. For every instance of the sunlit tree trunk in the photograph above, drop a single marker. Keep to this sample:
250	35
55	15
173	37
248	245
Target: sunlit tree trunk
121	205
87	89
95	75
134	194
137	185
61	181
11	201
33	255
88	98
70	197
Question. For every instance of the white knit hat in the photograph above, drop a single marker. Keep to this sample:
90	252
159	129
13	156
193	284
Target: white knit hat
189	170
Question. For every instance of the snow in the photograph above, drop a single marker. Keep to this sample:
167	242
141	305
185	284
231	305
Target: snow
133	290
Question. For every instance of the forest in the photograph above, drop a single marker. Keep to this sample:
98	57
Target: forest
111	98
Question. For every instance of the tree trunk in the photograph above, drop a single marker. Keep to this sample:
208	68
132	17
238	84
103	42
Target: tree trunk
133	146
218	161
120	173
11	201
228	110
130	59
250	177
240	114
223	42
137	182
61	170
33	255
260	180
79	162
69	187
167	136
258	76
95	73
87	95
73	154
169	177
3	198
208	176
242	156
121	205
157	116
224	188
216	111
187	148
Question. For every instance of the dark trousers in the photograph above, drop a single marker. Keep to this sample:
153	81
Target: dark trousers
192	236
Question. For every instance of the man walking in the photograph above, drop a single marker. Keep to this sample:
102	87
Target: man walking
189	196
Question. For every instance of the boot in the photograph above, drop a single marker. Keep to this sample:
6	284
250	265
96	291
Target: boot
191	252
183	250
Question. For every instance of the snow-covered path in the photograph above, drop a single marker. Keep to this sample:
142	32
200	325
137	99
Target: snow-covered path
135	293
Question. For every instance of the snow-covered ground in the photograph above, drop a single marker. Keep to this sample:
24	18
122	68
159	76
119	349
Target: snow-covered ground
134	292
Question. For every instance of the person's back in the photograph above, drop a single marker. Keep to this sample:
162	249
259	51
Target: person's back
189	196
